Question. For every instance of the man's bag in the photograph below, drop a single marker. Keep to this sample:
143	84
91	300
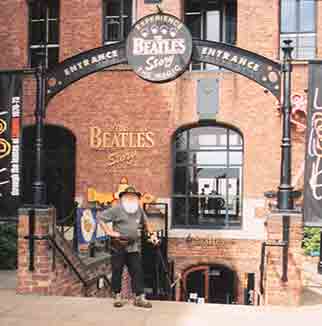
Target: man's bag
120	243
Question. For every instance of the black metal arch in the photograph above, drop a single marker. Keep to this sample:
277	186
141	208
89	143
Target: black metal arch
256	67
260	69
82	65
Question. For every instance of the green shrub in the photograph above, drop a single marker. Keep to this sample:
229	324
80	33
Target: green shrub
311	241
8	246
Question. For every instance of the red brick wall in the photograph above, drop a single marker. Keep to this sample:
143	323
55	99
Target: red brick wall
278	292
112	97
52	275
124	97
240	256
13	34
121	97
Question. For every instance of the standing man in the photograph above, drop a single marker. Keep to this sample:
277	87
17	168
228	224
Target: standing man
127	218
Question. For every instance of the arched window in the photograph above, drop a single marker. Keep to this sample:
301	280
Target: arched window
207	177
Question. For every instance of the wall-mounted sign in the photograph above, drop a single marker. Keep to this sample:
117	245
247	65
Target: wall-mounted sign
313	158
10	125
86	219
88	228
159	47
121	142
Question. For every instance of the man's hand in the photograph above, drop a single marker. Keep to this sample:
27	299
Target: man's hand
115	234
153	238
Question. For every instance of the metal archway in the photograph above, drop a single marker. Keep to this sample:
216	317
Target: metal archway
255	67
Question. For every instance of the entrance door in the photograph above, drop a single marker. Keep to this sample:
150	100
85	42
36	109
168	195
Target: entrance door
212	284
157	270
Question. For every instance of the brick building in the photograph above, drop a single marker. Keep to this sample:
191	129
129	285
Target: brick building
210	161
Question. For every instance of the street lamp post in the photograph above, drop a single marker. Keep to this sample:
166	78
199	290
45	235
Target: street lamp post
38	185
285	200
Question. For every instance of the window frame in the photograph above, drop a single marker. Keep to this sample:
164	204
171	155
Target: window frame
104	18
298	34
222	7
185	196
44	45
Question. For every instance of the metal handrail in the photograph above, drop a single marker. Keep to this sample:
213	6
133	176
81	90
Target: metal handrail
86	283
265	244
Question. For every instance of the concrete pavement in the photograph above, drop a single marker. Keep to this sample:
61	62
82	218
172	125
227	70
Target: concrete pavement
62	311
30	310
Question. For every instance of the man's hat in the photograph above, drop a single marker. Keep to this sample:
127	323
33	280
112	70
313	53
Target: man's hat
130	190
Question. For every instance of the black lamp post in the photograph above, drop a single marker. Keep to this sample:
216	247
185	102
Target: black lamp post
39	185
285	199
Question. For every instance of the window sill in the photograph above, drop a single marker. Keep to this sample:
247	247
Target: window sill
298	62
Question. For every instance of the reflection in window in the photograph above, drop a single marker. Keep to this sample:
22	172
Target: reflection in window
207	189
213	21
117	20
44	33
298	23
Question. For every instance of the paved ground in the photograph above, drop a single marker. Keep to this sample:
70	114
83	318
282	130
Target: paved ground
61	311
16	310
312	293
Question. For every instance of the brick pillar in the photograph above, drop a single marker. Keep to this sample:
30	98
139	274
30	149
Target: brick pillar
39	280
278	292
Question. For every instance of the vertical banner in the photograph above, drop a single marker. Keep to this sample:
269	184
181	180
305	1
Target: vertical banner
313	157
10	130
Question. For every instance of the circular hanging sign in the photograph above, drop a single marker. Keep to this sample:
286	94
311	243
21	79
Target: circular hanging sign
159	47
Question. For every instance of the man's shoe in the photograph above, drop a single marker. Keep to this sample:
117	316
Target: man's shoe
141	301
118	303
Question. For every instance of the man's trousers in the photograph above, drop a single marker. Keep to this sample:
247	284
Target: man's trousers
132	260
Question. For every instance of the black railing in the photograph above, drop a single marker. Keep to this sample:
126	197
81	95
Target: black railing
85	282
277	243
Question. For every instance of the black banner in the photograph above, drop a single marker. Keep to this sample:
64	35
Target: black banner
83	64
10	130
313	157
251	65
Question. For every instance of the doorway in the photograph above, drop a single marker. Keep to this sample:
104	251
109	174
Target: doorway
209	284
59	174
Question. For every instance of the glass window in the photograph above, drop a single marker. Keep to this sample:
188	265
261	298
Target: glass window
207	185
44	33
213	20
298	23
117	20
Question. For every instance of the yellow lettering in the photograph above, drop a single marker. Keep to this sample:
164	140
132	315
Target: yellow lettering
94	140
149	137
106	137
131	140
115	141
123	135
141	138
